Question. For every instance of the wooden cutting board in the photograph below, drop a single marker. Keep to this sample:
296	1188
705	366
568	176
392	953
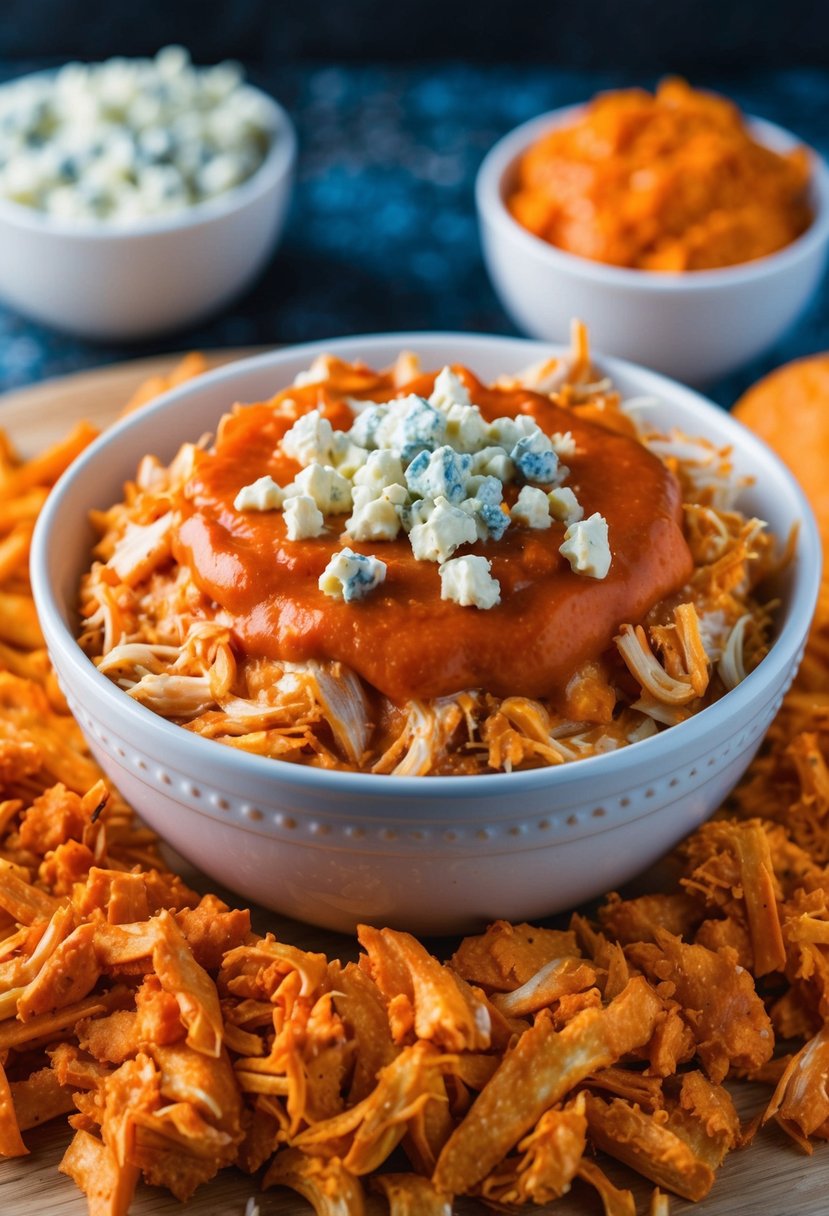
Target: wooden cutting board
770	1179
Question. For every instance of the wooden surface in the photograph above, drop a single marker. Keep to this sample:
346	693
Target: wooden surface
771	1178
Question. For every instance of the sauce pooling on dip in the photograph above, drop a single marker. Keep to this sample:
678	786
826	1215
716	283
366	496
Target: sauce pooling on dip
404	639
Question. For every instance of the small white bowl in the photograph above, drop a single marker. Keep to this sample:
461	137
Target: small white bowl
117	281
696	325
432	854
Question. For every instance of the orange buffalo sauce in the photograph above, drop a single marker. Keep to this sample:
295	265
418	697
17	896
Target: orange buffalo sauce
670	182
404	639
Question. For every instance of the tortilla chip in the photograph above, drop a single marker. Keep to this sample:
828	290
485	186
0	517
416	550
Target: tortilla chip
681	1145
411	1195
257	971
733	870
69	974
121	897
11	1142
52	819
180	974
327	1185
672	1043
31	947
705	1118
212	928
540	1070
49	1026
39	1099
547	1159
25	902
799	390
76	1071
133	1087
112	1039
718	1000
560	977
445	1010
360	1004
636	920
364	1136
207	1084
507	956
800	1103
637	1087
475	1070
261	1138
108	1186
431	1125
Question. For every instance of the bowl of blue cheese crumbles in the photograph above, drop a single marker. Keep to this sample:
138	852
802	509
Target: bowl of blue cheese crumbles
137	195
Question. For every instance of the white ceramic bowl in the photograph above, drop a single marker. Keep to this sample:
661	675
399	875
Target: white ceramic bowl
433	854
694	326
109	281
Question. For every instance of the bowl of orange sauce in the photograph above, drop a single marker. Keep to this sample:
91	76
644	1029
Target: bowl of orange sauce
687	235
335	844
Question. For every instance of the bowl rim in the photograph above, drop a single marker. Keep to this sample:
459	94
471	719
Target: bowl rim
501	159
193	751
276	166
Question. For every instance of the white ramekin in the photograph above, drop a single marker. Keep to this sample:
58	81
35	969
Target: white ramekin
433	854
107	281
695	326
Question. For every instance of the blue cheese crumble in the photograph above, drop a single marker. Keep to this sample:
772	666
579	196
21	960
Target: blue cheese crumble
586	547
439	474
310	440
532	508
564	506
303	518
535	459
329	489
264	494
467	581
351	576
422	428
375	519
128	139
444	530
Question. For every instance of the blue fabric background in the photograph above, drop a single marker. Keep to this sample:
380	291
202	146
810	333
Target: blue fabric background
382	234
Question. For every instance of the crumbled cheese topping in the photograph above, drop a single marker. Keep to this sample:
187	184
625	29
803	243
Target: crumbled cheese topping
351	576
535	459
377	519
564	506
493	461
439	474
449	390
564	445
310	440
444	530
329	489
468	582
382	468
586	547
505	432
303	518
437	470
261	495
531	508
129	138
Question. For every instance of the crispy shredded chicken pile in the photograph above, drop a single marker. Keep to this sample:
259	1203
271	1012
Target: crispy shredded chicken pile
178	1042
150	629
